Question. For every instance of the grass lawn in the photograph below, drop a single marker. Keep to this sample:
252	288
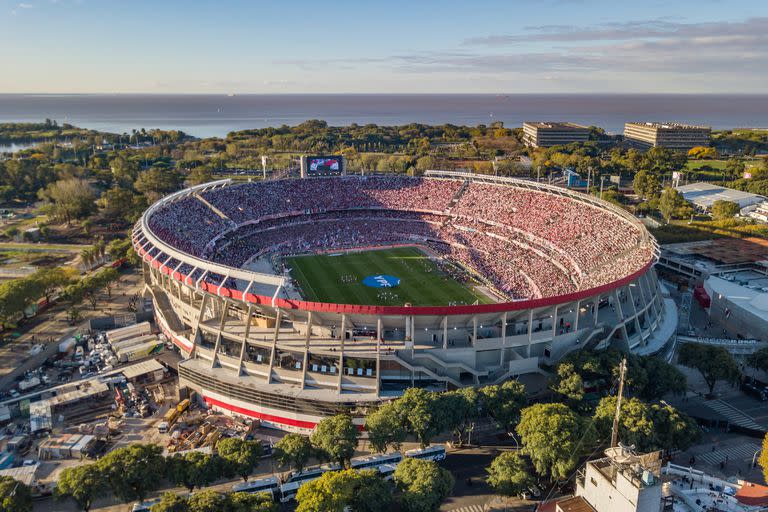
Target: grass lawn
339	278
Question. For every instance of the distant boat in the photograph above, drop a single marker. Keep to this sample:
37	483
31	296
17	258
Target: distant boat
231	94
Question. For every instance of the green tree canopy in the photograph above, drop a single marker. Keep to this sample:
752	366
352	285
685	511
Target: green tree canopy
646	185
171	502
385	427
673	205
423	485
508	474
192	469
133	471
82	483
714	363
722	209
422	413
294	451
70	198
550	436
241	456
362	491
568	382
503	402
247	502
208	501
336	438
14	496
759	359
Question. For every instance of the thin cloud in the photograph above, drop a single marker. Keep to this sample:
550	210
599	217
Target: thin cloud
660	28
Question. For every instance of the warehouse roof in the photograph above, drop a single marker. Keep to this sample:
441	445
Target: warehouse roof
704	194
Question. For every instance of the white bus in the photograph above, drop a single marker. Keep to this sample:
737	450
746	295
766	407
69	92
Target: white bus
144	506
312	473
269	484
289	490
435	453
374	461
387	471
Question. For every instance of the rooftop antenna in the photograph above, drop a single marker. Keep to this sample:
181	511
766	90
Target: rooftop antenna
615	429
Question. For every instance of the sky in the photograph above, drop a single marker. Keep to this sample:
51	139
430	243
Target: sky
383	46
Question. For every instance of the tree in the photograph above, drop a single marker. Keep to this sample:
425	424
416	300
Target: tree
14	496
423	417
646	185
672	204
660	377
700	152
247	502
190	470
550	436
713	363
503	402
763	460
118	204
293	450
71	198
199	175
208	501
385	427
170	502
336	438
82	483
133	471
459	409
759	359
508	474
569	384
722	210
423	484
734	168
362	491
241	456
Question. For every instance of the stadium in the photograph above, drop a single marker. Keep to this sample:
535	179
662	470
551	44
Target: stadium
296	299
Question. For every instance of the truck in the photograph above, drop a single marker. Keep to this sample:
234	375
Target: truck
130	342
28	384
139	351
130	331
168	420
183	405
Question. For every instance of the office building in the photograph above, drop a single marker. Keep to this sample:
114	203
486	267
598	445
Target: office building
545	134
667	135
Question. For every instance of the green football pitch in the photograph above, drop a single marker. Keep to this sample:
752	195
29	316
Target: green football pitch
339	278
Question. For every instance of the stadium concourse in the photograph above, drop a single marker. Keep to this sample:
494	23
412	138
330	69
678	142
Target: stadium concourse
570	272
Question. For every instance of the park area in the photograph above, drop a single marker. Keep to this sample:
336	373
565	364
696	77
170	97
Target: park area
393	276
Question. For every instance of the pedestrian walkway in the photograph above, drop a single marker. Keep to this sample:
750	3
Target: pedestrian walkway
734	416
469	508
737	453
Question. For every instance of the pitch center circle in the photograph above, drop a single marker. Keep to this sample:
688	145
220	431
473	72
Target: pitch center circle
381	281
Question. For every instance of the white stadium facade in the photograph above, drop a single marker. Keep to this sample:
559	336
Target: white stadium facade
571	272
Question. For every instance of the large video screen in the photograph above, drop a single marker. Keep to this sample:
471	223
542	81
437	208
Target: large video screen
324	165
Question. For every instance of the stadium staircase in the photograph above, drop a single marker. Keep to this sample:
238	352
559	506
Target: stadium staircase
160	300
209	205
423	369
457	196
451	364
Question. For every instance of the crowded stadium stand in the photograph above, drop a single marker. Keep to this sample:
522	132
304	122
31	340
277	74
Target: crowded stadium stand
569	271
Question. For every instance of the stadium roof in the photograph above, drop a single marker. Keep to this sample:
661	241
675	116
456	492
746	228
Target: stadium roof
704	194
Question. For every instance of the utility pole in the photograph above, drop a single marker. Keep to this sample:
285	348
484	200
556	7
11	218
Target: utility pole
615	429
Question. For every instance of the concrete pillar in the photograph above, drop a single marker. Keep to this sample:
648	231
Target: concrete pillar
248	314
341	350
273	352
554	321
445	332
530	333
503	337
474	330
307	336
576	321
